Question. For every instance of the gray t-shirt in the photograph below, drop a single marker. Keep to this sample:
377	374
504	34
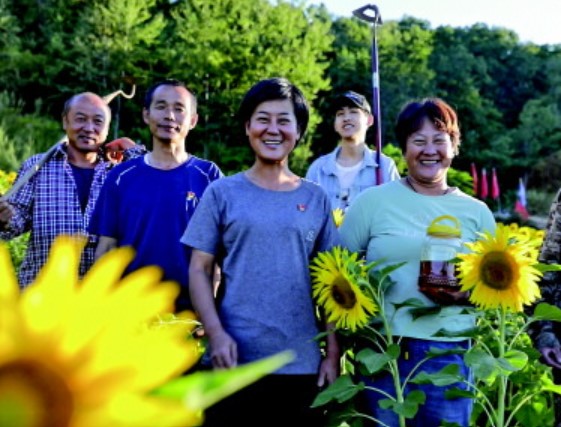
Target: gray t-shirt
264	241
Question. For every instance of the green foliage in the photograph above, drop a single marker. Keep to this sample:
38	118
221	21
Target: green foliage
17	246
22	135
539	202
507	93
202	389
460	179
528	378
395	153
233	44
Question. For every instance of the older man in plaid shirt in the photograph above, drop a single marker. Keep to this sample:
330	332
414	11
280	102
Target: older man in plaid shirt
60	197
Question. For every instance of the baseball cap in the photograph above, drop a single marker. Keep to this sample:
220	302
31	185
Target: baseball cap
352	99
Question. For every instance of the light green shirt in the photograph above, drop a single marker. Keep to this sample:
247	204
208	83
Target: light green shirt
389	222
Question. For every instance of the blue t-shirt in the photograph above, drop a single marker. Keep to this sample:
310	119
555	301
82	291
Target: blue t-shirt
83	178
149	209
264	241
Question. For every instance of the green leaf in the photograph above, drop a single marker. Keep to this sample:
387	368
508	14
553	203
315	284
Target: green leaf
515	360
425	311
446	376
411	302
386	271
549	385
546	267
393	350
372	360
434	351
545	311
409	407
484	366
456	393
341	390
204	388
464	333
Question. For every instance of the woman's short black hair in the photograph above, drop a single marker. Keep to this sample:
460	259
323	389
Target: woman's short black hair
276	88
437	111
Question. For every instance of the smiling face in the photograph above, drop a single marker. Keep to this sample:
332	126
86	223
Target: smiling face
351	123
429	153
86	123
171	114
272	130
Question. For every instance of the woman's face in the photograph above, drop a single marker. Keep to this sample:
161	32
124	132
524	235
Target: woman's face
429	154
272	130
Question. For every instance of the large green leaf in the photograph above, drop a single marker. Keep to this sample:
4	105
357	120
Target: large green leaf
487	367
514	360
204	388
341	390
446	376
545	311
373	361
409	407
549	385
484	365
547	267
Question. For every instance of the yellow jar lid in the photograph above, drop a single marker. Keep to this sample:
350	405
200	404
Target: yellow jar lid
438	228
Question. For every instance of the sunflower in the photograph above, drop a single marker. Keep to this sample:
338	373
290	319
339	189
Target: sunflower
336	277
80	354
338	216
500	271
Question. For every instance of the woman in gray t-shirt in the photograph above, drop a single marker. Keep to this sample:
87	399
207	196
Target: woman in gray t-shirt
262	227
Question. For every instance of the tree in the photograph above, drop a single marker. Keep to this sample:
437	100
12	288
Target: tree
227	46
404	50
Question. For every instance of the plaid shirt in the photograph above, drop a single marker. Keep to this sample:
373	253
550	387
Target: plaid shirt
547	333
48	206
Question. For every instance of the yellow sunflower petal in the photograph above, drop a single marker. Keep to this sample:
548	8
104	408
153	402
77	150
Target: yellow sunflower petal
338	216
81	354
499	270
335	286
9	296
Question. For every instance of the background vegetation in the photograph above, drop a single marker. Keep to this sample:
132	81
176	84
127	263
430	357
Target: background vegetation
507	93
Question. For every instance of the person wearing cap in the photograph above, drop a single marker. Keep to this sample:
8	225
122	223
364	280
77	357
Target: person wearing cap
391	224
351	167
60	197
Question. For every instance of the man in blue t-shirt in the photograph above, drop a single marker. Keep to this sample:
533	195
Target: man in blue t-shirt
148	202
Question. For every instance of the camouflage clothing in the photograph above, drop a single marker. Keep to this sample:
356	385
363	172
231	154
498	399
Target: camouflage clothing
546	333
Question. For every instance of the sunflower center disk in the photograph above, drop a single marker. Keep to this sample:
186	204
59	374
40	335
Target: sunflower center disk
497	270
33	396
343	293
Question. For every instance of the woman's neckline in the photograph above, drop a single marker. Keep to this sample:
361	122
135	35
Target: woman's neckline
409	183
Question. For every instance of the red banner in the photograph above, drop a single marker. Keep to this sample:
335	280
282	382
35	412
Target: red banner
495	192
484	185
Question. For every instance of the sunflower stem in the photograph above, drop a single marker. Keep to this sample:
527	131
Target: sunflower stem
502	378
394	367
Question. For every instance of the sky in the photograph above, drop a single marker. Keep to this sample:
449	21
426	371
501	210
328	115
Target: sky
536	21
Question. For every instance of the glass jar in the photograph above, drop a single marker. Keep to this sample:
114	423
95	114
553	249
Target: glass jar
437	278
